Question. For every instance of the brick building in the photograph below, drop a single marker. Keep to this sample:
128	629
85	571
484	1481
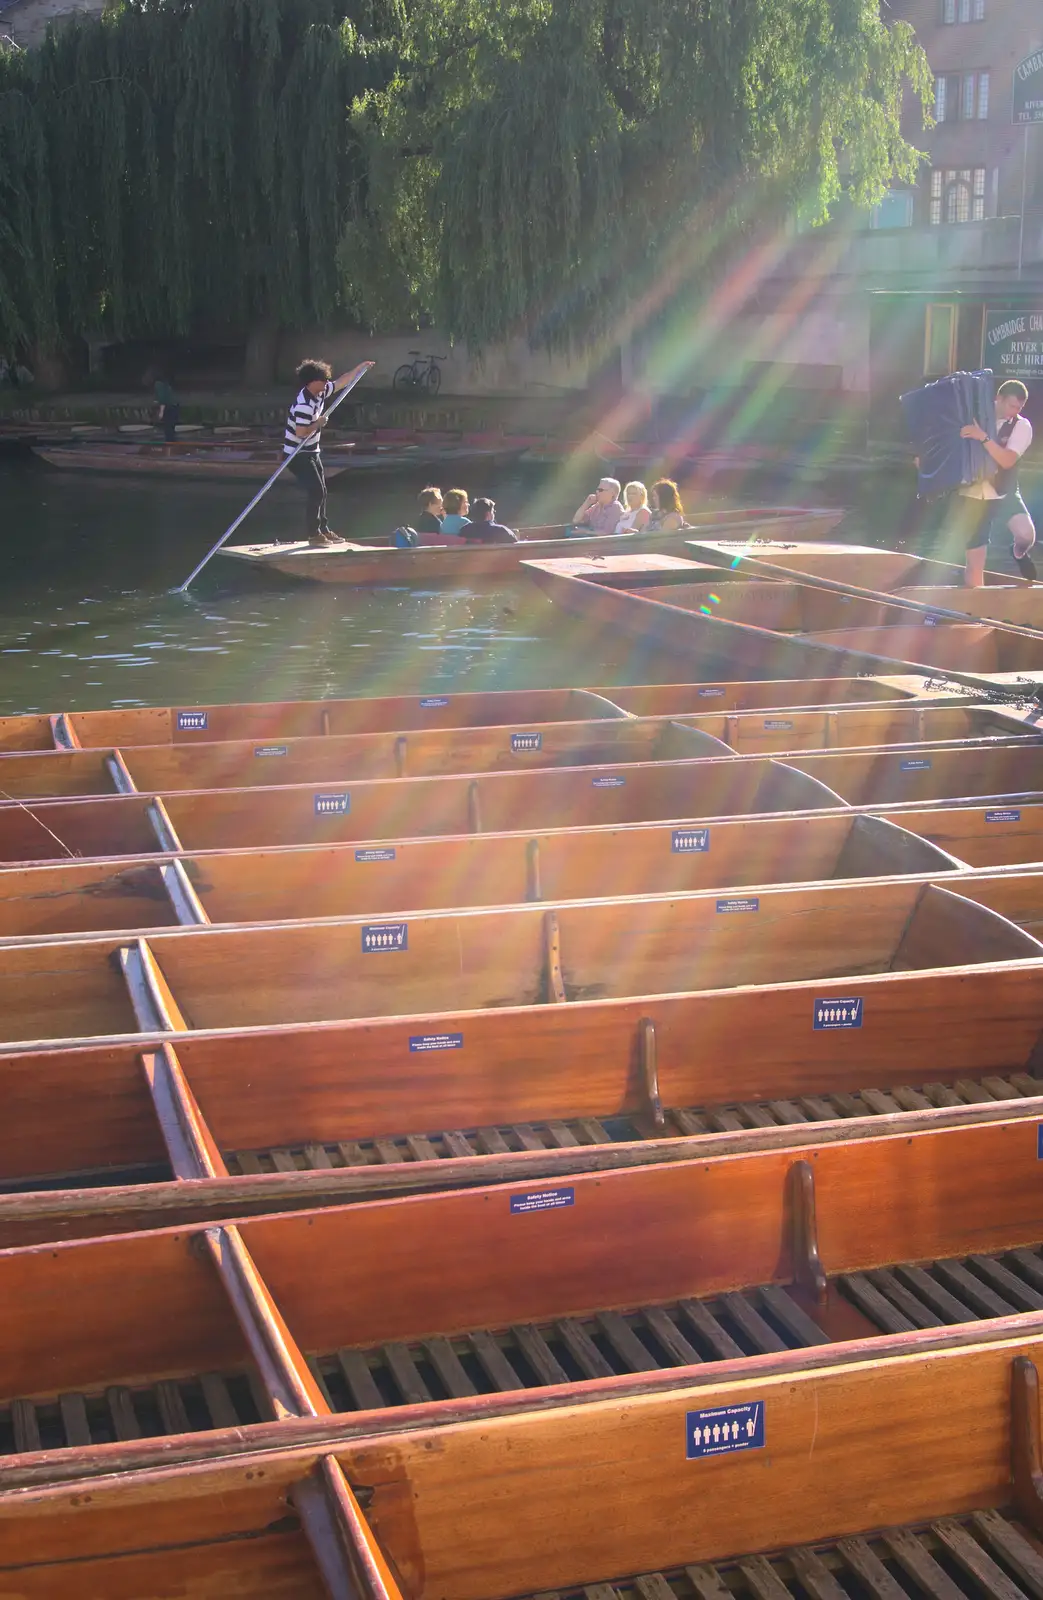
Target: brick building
844	317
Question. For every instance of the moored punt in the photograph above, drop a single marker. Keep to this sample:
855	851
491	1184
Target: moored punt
439	563
240	764
404	713
124	1348
125	1135
394	809
182	460
864	568
859	1478
488	959
72	896
766	624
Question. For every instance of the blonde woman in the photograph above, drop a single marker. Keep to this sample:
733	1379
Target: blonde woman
635	498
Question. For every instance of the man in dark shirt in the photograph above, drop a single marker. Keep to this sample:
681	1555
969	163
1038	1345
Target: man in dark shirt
483	530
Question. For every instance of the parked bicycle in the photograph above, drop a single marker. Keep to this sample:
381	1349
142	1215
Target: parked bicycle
423	372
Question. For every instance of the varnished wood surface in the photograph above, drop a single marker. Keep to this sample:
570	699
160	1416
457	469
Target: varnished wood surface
532	745
338	880
440	962
195	725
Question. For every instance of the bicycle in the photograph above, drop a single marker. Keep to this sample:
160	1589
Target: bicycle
423	372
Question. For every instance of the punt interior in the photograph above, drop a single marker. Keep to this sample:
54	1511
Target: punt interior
404	713
436	962
438	874
805	1508
390	1106
468	1295
165	769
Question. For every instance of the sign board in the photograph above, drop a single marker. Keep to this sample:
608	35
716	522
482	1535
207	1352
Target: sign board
1013	343
1027	102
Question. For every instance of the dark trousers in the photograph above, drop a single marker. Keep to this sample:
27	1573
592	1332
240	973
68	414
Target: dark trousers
307	469
169	421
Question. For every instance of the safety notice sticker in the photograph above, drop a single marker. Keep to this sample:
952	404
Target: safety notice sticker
723	1429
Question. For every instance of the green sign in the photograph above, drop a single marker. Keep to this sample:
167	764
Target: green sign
1027	105
1013	343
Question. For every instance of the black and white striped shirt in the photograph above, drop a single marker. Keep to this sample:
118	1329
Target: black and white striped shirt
301	415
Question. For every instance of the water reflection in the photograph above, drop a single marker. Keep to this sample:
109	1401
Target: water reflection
87	618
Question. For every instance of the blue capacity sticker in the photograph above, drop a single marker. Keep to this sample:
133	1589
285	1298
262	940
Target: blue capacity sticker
723	1429
687	840
1003	816
385	936
607	783
526	741
542	1200
194	720
919	765
332	805
709	694
930	622
776	724
374	855
436	1041
271	750
431	701
838	1012
1039	1141
739	905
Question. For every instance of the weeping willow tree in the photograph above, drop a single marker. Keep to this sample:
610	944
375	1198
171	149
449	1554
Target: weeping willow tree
567	156
183	162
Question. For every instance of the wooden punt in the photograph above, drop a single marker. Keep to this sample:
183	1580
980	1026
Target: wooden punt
130	1134
133	1349
861	1478
194	460
68	730
764	625
488	959
241	764
141	892
384	564
396	809
864	568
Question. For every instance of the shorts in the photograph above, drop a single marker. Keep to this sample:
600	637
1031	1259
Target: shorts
996	516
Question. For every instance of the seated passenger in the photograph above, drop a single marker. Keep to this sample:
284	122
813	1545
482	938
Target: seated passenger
454	503
637	513
483	530
600	511
667	510
430	518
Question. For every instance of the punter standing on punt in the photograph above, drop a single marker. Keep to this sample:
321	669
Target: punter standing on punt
305	421
1003	505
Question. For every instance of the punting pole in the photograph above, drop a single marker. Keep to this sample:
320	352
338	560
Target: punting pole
359	372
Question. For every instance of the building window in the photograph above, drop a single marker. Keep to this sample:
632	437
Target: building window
961	97
957	196
963	11
939	353
894	211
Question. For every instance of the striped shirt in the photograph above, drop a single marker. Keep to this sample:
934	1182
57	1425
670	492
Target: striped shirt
305	409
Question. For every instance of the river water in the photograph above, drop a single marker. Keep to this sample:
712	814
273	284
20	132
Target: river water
87	619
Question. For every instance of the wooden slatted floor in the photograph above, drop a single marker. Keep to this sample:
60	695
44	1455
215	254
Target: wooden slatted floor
757	1321
985	1556
612	1130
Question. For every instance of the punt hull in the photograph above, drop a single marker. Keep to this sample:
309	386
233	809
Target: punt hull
439	563
251	1317
89	1146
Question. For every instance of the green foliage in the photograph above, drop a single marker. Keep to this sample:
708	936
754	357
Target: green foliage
543	167
177	161
575	149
